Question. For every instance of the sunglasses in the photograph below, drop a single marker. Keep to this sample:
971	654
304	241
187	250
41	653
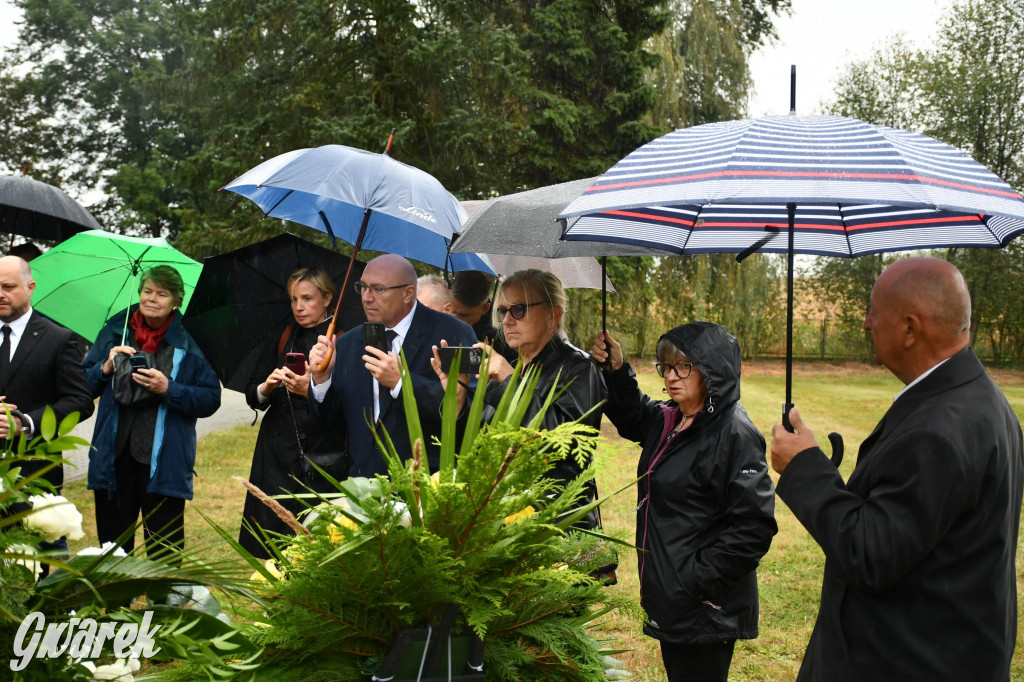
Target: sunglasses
518	311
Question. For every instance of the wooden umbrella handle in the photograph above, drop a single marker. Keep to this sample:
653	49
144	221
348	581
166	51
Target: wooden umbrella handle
330	349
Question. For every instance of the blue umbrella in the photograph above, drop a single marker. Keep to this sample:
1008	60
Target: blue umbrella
367	199
824	185
399	209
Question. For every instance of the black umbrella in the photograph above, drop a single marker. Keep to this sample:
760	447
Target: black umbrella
40	211
241	297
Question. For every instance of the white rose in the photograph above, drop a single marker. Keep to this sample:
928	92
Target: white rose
55	517
114	671
105	549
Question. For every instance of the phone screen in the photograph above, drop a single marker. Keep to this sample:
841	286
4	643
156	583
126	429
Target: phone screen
375	336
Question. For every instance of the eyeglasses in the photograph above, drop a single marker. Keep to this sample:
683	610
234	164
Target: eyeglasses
682	369
518	310
360	288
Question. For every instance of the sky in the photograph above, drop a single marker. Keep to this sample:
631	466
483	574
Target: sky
819	38
823	35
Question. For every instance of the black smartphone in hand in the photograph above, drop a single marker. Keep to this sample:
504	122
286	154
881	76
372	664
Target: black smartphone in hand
469	361
137	362
375	336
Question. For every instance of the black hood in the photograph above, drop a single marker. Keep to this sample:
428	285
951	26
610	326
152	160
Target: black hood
716	353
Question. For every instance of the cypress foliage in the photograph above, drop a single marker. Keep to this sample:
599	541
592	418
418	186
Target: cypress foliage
489	535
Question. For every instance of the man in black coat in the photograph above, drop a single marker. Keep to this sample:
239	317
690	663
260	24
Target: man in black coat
920	543
40	366
362	385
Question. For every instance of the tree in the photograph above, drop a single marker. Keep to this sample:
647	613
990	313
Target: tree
160	102
704	74
969	92
745	298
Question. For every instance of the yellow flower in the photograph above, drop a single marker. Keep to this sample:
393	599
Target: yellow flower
335	534
519	516
271	567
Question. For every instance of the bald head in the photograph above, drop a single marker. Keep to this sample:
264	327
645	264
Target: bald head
17	264
390	264
396	278
16	287
935	289
920	315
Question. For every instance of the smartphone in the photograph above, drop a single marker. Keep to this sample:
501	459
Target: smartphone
296	362
375	336
137	362
469	362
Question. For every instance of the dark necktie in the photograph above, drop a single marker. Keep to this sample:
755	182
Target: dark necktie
5	356
383	392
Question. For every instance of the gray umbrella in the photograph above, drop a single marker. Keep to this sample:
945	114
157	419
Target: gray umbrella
37	210
526	224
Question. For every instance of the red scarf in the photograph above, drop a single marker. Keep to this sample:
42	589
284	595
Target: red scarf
147	337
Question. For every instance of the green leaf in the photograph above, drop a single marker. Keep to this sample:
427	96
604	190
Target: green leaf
48	424
68	423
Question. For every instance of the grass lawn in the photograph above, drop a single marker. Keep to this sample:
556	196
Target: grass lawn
845	398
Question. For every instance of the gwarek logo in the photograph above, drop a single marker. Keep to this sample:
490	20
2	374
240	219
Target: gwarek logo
419	213
81	638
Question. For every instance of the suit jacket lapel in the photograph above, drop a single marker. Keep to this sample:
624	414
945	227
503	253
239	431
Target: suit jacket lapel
34	332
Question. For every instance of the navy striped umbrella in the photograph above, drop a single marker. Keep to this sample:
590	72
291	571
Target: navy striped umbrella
858	189
823	185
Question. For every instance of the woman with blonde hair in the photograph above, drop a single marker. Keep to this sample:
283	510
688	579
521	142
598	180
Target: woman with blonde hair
528	315
288	436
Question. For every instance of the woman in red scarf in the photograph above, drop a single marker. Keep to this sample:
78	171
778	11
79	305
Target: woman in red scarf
143	453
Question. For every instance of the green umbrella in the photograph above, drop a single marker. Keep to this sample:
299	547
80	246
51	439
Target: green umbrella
87	278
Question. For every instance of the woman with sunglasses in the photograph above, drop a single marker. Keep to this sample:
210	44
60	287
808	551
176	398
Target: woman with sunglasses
529	316
705	512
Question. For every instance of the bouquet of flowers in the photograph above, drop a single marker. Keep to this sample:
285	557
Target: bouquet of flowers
488	543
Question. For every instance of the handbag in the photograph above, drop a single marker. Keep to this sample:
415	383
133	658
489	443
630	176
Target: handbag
334	464
126	391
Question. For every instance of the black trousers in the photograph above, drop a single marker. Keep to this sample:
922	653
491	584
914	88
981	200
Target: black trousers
163	517
697	662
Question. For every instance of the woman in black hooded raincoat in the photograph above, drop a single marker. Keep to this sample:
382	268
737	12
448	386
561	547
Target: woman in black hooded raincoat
705	512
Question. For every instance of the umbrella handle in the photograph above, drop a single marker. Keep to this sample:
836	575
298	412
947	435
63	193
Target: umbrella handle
330	349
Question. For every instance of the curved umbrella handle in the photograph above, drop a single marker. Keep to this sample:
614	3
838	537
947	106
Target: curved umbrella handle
330	350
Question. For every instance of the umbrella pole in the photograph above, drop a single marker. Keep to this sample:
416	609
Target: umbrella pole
604	309
344	284
791	210
124	330
344	287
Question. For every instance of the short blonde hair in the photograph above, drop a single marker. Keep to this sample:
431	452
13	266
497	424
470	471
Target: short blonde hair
317	276
538	286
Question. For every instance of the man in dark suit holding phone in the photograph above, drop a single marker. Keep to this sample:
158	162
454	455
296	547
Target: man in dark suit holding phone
40	366
362	383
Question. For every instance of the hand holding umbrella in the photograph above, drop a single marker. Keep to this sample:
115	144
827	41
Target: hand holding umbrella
321	358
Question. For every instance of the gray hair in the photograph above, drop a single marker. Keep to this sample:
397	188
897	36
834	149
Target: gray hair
434	287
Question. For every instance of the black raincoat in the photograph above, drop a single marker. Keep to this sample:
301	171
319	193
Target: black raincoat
582	388
705	513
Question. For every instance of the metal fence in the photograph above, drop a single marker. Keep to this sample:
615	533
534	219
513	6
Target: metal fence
833	339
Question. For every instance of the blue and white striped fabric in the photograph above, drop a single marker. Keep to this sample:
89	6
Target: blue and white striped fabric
858	189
